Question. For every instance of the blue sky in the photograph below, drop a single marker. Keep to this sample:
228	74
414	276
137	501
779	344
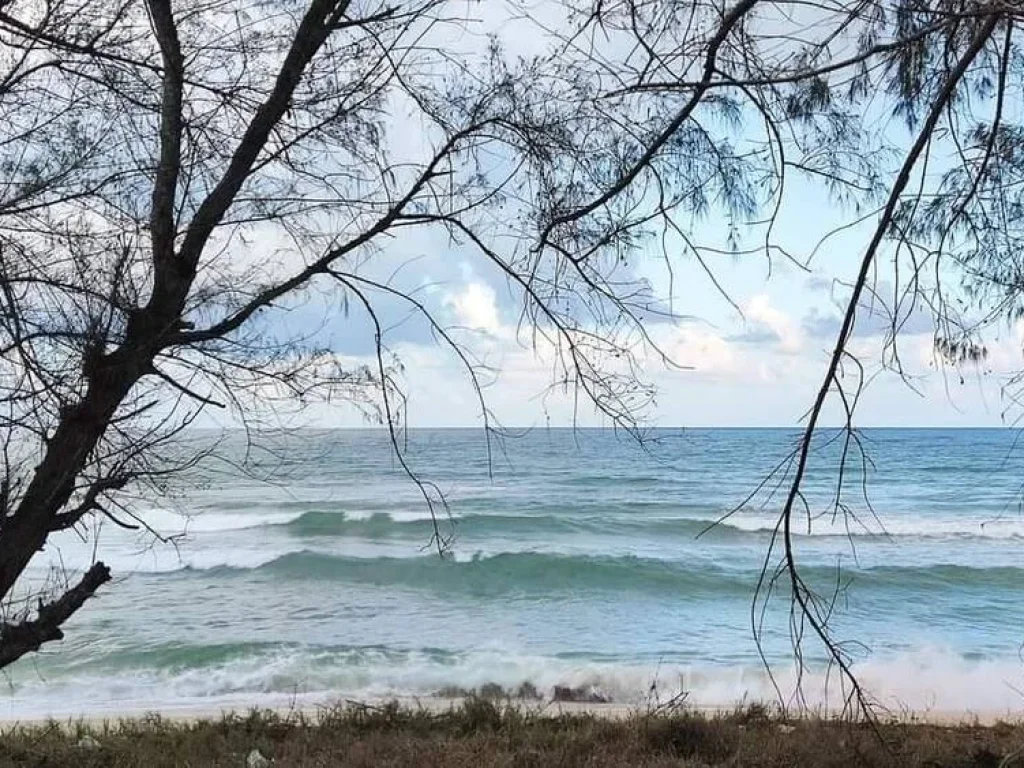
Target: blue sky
756	366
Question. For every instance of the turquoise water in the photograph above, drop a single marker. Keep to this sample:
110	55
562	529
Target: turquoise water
577	559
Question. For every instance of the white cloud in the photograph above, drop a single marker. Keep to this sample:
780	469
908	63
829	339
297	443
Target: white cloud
760	311
704	351
476	307
1005	354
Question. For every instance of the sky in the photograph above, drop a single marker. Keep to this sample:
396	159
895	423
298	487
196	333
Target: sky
758	365
755	357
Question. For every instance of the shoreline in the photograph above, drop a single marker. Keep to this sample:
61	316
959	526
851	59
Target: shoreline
550	708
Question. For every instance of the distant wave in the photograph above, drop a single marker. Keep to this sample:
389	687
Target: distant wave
541	573
501	573
613	522
383	524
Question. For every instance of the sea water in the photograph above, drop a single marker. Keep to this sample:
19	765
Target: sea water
305	570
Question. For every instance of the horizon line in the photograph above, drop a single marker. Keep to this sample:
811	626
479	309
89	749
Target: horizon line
592	428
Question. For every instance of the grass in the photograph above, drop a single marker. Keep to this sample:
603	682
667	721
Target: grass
480	732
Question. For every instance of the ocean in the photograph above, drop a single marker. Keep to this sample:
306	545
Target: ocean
578	558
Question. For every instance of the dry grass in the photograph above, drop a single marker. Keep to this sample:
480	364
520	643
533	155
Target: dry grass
485	733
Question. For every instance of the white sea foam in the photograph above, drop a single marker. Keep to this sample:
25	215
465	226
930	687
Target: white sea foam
903	525
169	522
929	680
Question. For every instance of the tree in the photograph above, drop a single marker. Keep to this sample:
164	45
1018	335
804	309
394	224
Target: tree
150	151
